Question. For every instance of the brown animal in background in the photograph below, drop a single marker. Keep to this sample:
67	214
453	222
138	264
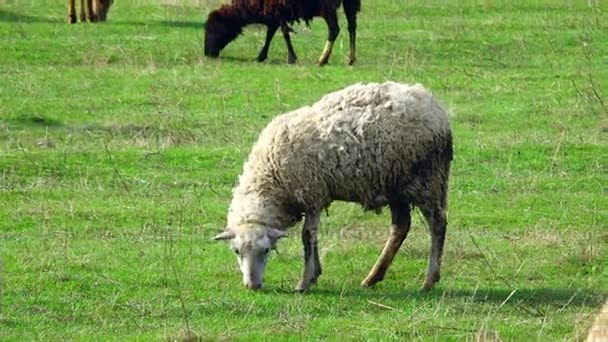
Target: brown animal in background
226	23
97	10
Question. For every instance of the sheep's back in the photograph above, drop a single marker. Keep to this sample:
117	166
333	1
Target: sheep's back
358	144
293	10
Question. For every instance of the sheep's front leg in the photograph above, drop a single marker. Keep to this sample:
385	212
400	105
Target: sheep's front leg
401	221
334	29
270	31
312	264
291	54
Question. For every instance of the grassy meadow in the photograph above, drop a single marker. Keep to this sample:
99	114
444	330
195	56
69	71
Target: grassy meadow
120	144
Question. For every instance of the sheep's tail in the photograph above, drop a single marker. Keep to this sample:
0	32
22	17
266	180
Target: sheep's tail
351	6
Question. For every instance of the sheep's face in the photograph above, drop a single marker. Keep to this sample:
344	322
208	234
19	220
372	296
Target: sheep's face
252	245
222	27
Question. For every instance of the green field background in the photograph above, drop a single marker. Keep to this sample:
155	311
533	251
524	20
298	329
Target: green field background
120	144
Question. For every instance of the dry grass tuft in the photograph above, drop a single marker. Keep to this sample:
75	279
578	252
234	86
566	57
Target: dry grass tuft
185	335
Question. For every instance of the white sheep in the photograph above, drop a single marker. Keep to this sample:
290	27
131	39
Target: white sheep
373	144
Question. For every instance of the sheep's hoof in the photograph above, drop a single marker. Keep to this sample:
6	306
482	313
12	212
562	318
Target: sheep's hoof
301	288
428	285
291	61
372	279
351	61
304	286
367	282
323	60
72	19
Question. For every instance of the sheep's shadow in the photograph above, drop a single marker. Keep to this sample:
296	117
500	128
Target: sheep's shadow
238	59
8	16
198	25
182	24
532	297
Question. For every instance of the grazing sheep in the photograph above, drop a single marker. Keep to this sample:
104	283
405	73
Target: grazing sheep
97	10
225	24
376	144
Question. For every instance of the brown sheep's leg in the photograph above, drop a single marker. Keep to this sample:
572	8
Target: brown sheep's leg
271	30
401	220
71	12
291	57
334	30
437	222
312	264
83	16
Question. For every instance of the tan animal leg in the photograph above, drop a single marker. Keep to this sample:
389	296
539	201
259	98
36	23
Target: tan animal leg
92	11
401	221
98	8
326	53
83	16
71	12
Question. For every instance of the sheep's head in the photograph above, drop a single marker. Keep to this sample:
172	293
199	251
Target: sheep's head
252	245
222	27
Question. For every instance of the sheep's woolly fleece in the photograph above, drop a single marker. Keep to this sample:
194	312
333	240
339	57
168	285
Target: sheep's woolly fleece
359	144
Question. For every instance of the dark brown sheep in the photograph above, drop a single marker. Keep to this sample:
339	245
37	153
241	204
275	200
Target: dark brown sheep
226	23
96	10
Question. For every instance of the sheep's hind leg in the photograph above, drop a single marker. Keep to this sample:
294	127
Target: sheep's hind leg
401	220
312	264
351	18
291	57
272	29
437	222
334	30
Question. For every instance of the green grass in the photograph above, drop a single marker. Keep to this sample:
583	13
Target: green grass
120	143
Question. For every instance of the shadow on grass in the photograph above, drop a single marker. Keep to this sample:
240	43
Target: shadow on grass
531	297
235	59
166	23
182	24
7	16
35	121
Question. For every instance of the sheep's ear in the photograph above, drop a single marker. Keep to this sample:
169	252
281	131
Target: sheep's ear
275	234
226	235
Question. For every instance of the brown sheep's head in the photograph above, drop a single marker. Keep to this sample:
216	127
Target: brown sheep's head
222	27
102	11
